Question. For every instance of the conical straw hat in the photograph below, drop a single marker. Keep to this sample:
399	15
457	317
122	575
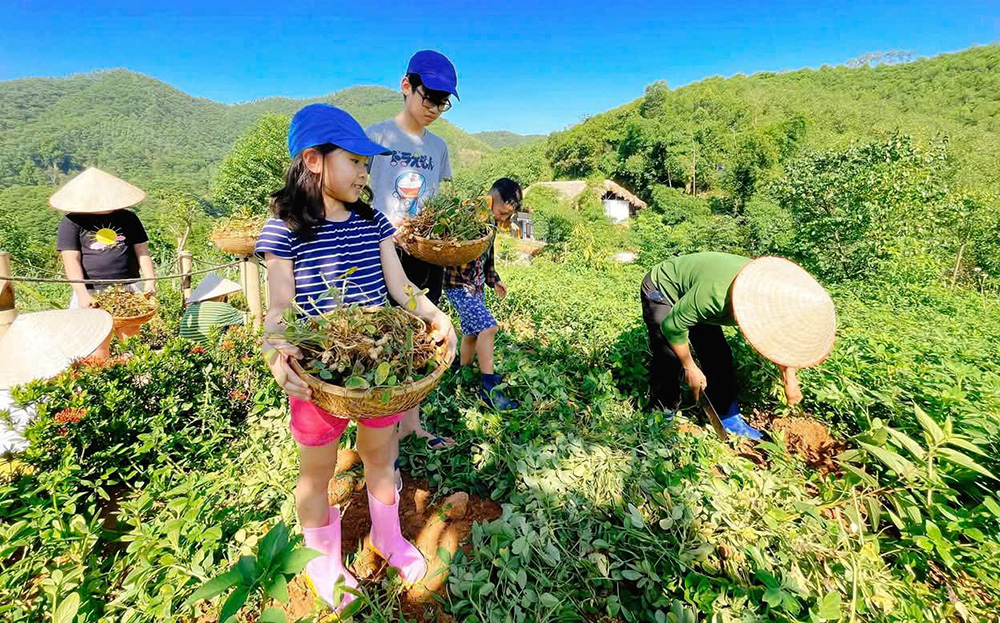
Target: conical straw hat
40	345
785	314
95	191
212	286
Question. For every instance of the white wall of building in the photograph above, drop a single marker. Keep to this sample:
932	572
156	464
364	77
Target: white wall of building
616	209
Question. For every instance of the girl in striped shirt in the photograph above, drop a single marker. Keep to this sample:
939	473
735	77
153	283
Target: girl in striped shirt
322	228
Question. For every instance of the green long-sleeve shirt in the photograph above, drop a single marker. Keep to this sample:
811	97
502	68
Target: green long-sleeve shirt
698	285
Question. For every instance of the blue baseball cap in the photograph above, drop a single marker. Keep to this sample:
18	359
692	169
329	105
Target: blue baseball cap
435	71
317	124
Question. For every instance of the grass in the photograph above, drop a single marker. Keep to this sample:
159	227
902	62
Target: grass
610	513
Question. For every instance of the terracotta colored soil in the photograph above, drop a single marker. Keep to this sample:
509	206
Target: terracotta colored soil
812	441
443	524
804	436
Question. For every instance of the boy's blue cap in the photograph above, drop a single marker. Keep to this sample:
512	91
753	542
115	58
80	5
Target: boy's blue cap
317	124
435	71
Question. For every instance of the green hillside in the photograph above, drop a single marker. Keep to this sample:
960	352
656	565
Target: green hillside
505	138
153	134
743	127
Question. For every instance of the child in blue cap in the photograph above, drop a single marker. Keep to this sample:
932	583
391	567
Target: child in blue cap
322	228
411	173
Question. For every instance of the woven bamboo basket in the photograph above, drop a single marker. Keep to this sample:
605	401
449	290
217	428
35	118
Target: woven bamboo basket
241	245
141	319
128	326
447	253
361	404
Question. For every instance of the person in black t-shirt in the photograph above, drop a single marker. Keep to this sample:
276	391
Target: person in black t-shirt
98	238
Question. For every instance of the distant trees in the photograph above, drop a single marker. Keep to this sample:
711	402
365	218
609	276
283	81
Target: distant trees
525	164
254	168
850	207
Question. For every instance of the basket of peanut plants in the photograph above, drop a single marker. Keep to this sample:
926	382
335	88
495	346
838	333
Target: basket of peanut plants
449	231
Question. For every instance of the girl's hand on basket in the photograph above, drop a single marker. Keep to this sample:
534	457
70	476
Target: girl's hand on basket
277	353
400	241
501	290
443	331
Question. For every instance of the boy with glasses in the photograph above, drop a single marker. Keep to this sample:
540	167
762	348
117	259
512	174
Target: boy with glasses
412	173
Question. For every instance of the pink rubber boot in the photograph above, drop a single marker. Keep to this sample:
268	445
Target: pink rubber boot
388	541
325	571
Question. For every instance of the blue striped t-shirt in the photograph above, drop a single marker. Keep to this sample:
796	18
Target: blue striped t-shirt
332	249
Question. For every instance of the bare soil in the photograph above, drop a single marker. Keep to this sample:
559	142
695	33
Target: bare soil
425	521
804	436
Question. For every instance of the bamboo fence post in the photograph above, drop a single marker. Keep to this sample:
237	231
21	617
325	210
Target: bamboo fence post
251	285
185	260
8	306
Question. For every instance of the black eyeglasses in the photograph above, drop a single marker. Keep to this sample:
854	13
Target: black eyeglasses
430	104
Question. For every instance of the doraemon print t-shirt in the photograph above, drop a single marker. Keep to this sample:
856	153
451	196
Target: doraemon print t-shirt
411	174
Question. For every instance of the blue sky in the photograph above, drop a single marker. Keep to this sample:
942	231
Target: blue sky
527	67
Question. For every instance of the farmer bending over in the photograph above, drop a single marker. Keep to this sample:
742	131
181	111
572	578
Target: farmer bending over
209	307
779	308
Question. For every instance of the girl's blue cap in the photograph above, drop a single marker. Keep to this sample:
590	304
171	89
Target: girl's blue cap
317	124
435	71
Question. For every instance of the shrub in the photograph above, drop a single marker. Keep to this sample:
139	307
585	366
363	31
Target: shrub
676	206
657	241
768	228
255	167
553	219
848	206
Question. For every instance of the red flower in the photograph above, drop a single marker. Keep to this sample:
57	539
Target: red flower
70	416
238	395
87	362
197	350
226	345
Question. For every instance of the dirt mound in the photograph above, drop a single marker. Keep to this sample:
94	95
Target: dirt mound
804	436
444	523
811	440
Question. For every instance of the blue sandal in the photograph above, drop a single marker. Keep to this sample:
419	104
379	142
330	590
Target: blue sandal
437	443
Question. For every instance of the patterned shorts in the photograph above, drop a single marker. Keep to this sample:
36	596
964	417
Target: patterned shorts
472	310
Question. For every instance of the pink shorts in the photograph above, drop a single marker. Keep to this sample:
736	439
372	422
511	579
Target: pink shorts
312	426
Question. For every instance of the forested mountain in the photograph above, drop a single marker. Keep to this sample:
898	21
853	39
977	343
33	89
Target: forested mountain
736	131
148	131
506	138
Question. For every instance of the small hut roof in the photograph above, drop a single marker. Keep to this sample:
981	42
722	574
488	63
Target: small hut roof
571	189
622	192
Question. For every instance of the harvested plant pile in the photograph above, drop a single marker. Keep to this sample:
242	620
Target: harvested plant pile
122	303
361	348
239	225
451	219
